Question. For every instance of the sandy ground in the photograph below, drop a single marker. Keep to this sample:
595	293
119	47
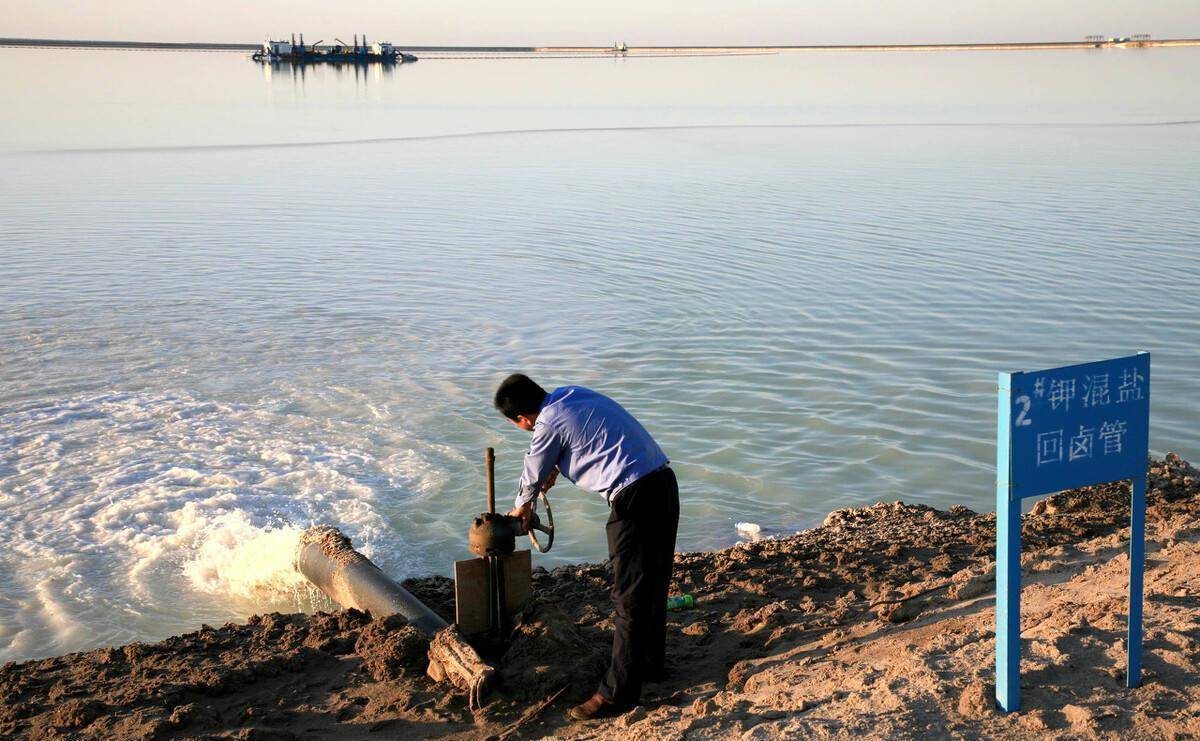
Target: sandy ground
879	623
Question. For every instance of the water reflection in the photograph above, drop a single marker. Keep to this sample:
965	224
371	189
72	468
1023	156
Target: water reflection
189	99
360	72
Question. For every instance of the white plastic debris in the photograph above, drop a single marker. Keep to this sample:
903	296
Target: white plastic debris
750	530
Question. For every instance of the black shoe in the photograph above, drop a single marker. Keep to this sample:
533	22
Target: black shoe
597	706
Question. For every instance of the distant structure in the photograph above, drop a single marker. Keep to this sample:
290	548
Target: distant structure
341	53
1099	39
620	48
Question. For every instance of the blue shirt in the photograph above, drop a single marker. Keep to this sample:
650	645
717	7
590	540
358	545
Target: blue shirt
591	440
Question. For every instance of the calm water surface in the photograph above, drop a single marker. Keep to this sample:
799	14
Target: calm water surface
801	272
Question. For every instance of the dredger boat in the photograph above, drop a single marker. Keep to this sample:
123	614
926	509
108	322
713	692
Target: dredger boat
380	52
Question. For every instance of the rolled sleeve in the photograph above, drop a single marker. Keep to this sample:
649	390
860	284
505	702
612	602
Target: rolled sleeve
545	449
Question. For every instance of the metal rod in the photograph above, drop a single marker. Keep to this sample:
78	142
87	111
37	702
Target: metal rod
501	599
493	613
490	458
497	598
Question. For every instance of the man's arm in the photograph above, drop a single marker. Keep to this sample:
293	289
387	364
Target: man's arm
541	465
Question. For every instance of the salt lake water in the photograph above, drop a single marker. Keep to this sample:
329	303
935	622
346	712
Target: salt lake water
238	301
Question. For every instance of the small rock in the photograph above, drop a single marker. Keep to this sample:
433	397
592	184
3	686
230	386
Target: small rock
974	701
182	714
942	564
703	706
633	716
899	612
1035	720
76	713
762	732
389	646
264	734
1080	718
968	584
698	629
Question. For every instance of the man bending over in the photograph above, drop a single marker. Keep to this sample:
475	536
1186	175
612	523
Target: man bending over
592	441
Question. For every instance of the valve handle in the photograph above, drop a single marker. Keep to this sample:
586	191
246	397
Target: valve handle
547	527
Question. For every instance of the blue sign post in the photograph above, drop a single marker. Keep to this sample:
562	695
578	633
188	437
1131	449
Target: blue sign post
1058	429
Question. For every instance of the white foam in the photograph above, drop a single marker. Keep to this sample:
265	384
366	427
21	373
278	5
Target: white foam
238	559
150	513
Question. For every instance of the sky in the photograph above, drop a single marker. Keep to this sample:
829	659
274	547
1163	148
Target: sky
638	22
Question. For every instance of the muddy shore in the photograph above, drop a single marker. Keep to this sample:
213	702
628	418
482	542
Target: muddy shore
878	623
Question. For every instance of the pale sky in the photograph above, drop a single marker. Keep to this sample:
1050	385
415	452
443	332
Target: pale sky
573	22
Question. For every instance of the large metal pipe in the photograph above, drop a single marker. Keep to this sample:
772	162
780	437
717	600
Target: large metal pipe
328	560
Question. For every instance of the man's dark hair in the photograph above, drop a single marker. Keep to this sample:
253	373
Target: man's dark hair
517	395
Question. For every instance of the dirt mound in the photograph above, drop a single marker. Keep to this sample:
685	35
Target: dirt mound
270	673
391	648
435	592
548	651
878	623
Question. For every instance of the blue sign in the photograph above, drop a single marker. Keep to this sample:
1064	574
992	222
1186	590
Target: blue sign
1058	429
1079	425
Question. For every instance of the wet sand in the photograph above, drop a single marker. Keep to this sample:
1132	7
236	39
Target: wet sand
878	623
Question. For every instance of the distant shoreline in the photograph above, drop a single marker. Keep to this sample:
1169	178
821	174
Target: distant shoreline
630	51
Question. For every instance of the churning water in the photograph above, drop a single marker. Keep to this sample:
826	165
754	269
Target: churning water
801	272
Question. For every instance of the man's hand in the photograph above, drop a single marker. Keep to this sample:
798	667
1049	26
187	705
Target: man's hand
524	513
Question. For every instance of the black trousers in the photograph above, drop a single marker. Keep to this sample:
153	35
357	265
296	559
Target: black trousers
641	547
